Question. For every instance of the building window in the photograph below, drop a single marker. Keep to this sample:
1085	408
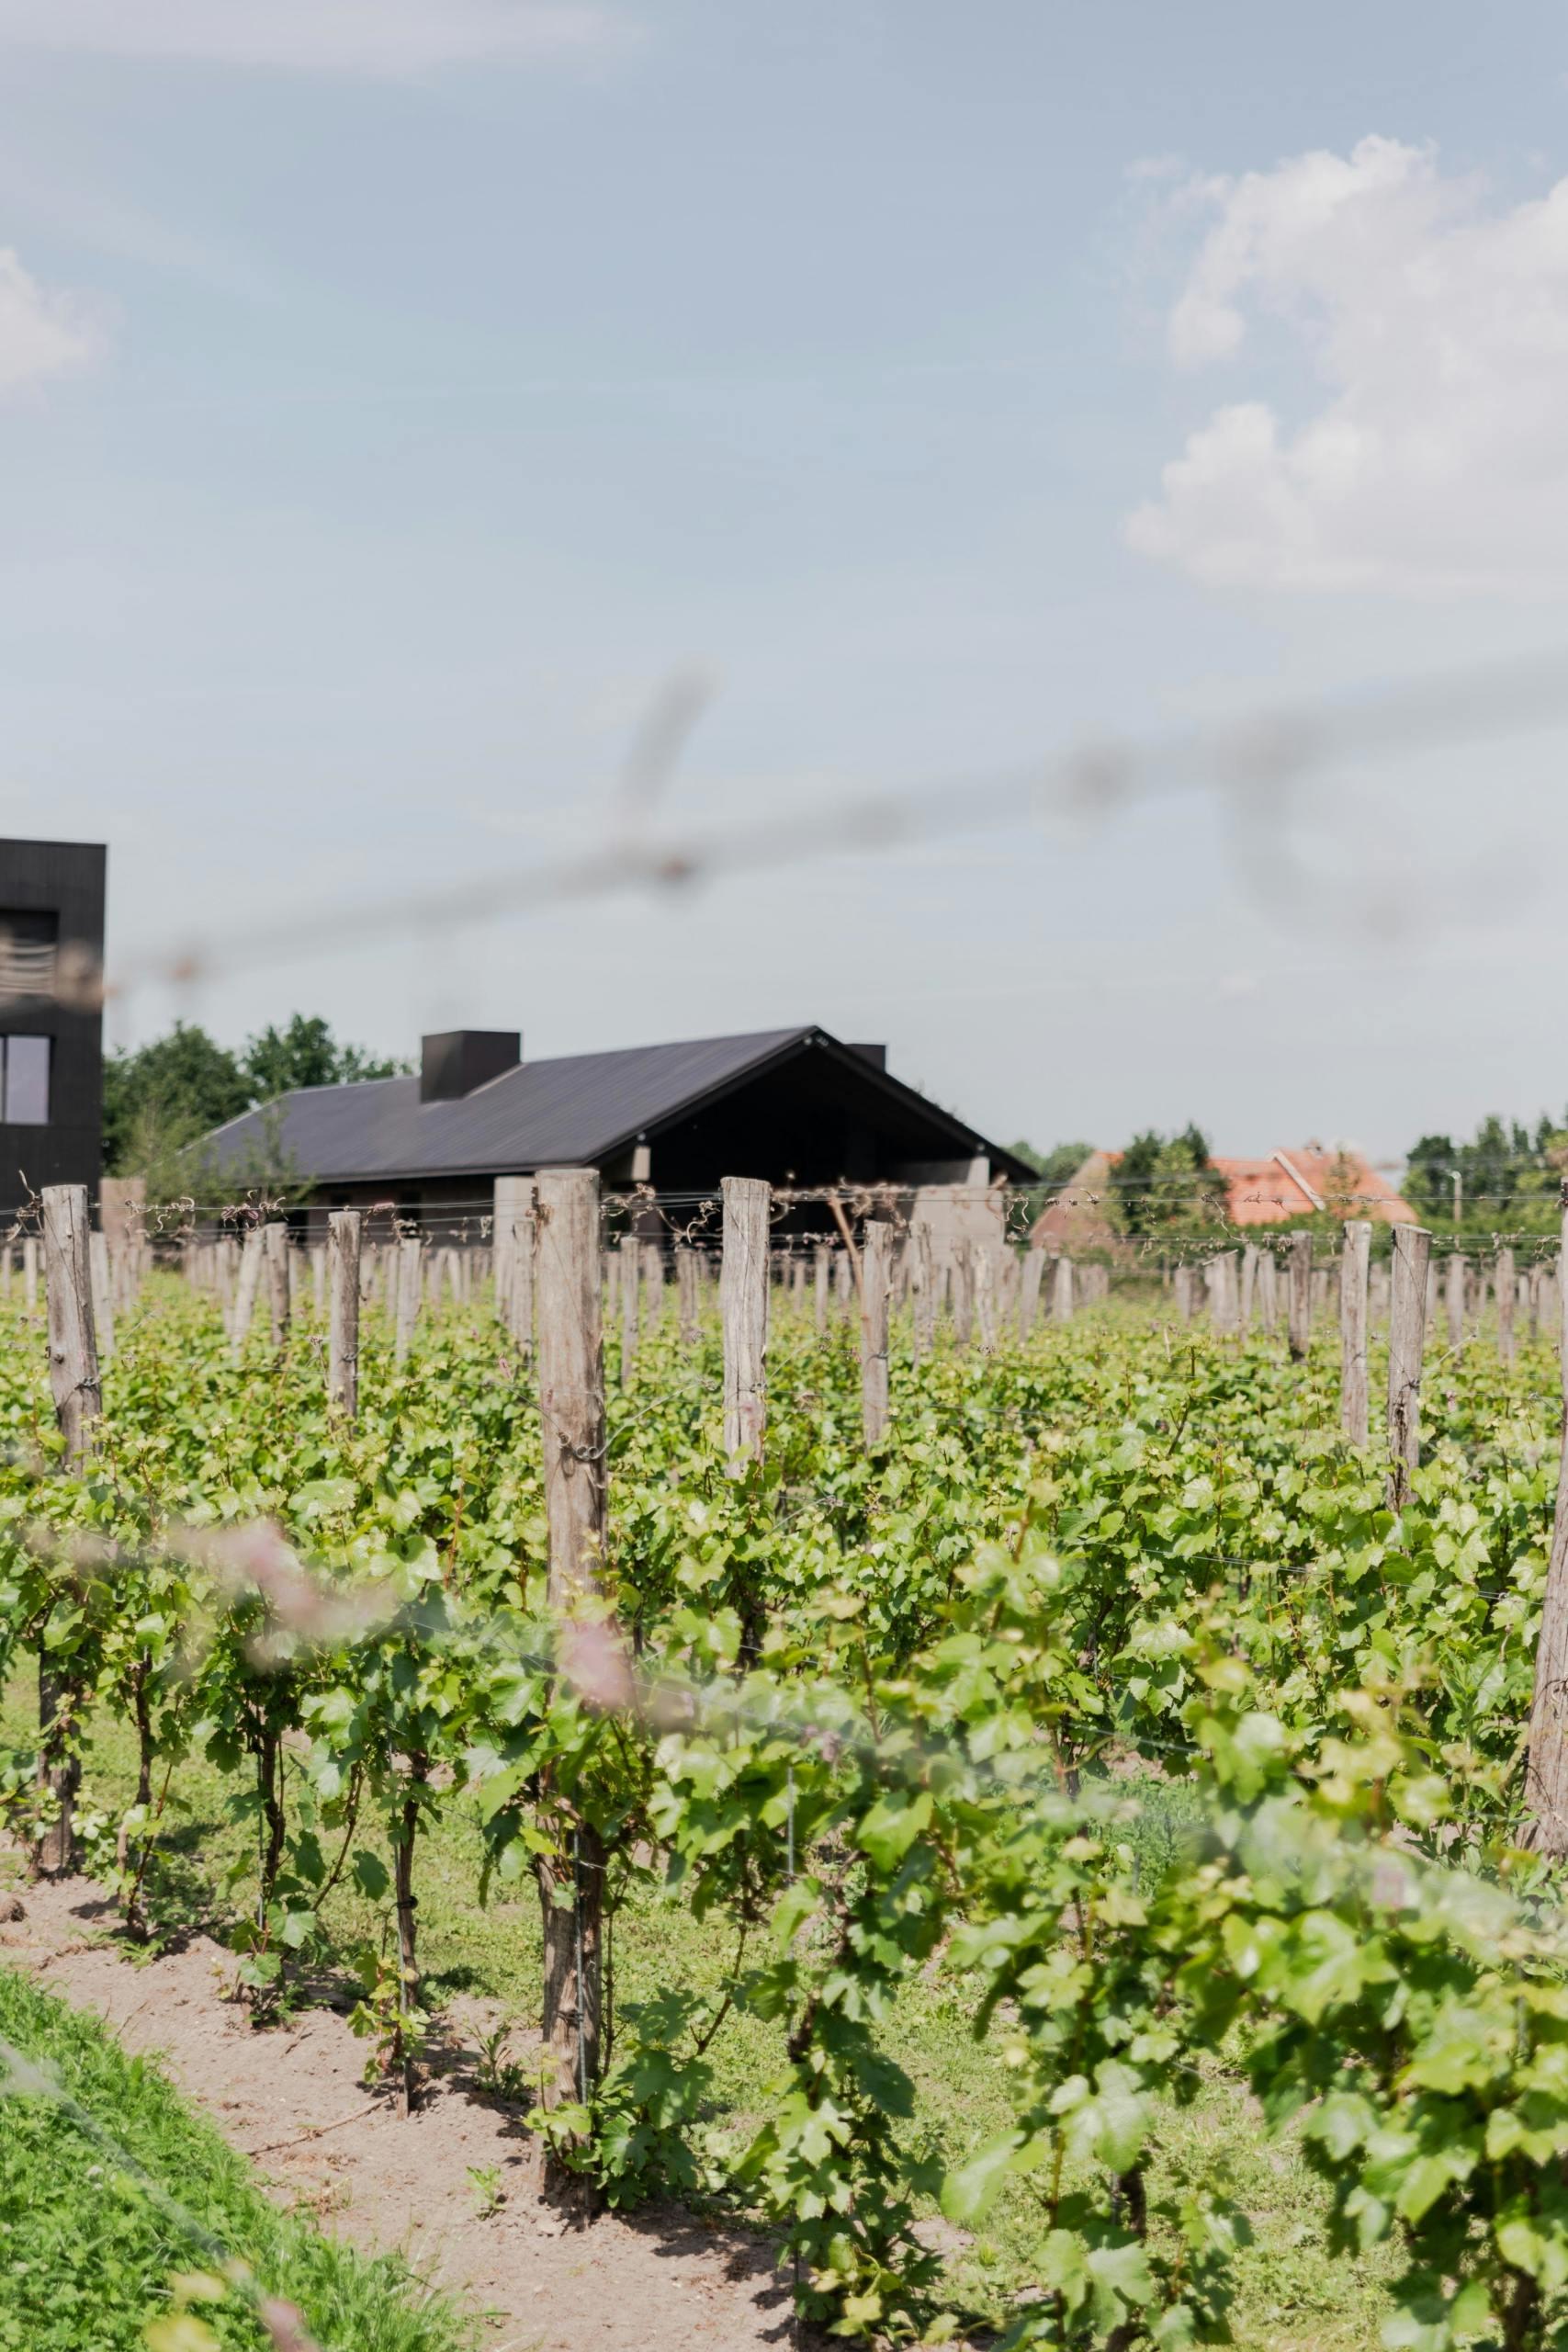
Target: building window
24	1081
27	945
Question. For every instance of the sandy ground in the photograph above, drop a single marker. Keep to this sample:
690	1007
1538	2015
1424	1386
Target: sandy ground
292	2097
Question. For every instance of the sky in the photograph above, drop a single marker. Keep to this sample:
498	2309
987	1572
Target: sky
406	405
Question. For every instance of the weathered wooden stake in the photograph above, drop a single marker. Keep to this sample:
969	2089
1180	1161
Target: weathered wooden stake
982	1265
922	1293
1062	1292
821	1278
571	1414
653	1282
630	1256
1029	1291
743	1305
876	1285
78	1401
411	1293
962	1290
1269	1291
1248	1288
1453	1296
1545	1779
1506	1299
1355	1259
688	1295
1407	1339
276	1248
343	1234
102	1280
1226	1293
247	1287
1299	1334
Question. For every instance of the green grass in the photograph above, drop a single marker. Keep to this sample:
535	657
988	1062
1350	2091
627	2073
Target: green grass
1293	2292
113	2189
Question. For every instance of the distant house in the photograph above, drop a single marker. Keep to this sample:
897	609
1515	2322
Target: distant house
51	1061
1289	1185
1076	1221
1278	1190
794	1106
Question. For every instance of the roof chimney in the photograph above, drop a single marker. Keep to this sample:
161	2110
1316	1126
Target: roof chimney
454	1063
876	1055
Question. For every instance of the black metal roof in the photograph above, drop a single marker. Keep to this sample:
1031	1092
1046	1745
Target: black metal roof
575	1111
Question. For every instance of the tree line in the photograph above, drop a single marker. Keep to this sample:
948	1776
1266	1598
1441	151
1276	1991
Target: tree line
162	1100
1506	1178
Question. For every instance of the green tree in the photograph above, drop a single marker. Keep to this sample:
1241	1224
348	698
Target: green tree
306	1053
160	1100
1509	1176
1161	1182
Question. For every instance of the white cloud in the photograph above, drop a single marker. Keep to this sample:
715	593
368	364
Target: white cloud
40	334
377	36
1437	461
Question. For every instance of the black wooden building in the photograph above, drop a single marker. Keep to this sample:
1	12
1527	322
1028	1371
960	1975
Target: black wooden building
792	1105
51	1070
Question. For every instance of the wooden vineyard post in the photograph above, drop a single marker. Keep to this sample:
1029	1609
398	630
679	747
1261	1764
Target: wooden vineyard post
629	1255
821	1283
1545	1779
687	1295
1299	1331
274	1247
410	1292
245	1290
78	1401
343	1230
1269	1291
844	1278
1062	1292
1227	1296
743	1306
513	1258
984	1270
1407	1339
961	1292
1355	1259
570	1353
102	1280
1453	1298
1029	1291
571	1378
1507	1301
520	1281
922	1293
653	1282
1248	1288
29	1272
876	1285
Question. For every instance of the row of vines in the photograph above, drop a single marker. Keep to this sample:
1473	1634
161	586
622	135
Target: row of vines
1107	1683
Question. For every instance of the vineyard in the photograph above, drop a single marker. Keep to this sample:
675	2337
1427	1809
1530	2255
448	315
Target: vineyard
1021	1807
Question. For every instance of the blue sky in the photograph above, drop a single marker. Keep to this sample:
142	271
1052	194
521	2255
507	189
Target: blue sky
393	393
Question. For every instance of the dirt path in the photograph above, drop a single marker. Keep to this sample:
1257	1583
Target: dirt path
292	2099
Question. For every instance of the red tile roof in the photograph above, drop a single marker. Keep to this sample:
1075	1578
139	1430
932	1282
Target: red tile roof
1289	1185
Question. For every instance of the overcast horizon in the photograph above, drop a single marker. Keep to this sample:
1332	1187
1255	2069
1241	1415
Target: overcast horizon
396	395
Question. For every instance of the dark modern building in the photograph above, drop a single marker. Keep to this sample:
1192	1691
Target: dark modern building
792	1105
51	1061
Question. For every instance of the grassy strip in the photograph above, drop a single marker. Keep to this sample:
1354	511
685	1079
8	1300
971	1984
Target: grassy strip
88	2246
